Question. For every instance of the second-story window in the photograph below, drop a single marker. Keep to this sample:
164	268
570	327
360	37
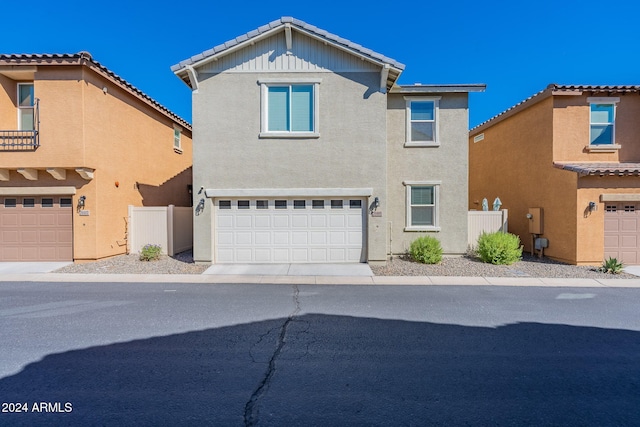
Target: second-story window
289	108
177	143
602	121
25	106
422	121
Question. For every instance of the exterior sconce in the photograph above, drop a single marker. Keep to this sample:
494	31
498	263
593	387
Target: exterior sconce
200	207
592	206
529	216
81	201
374	205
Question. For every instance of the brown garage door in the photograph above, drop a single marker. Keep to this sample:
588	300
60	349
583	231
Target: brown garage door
622	232
36	228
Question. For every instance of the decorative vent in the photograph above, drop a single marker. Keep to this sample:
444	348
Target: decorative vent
478	138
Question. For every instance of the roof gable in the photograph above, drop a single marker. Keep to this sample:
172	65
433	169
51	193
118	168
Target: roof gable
292	29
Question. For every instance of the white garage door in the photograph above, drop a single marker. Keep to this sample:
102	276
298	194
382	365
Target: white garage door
292	230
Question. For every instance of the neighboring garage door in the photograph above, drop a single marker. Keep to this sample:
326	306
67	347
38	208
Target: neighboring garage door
289	230
36	228
622	231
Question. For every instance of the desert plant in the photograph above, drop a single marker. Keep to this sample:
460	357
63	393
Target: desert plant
426	249
612	265
150	252
499	248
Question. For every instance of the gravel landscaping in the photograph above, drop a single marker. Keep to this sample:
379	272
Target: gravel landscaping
400	266
181	263
470	266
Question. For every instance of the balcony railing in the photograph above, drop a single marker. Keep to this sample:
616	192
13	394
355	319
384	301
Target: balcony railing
23	140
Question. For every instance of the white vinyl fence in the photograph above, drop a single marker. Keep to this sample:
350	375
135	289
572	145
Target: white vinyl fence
486	222
168	226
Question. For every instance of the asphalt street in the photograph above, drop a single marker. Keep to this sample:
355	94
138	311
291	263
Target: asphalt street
302	355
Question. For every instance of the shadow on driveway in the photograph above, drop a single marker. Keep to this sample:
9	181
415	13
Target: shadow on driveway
336	370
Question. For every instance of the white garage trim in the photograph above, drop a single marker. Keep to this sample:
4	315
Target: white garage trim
37	191
289	192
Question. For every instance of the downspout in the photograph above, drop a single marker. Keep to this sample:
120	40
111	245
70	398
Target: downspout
193	77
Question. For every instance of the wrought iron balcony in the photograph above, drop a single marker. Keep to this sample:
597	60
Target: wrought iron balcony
23	140
19	140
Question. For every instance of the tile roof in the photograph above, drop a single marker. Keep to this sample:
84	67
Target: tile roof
85	58
556	89
601	169
295	23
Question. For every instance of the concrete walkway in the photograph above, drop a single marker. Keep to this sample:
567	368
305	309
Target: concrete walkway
321	280
346	269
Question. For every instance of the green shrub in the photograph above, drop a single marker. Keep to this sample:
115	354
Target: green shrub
150	252
499	248
426	249
612	265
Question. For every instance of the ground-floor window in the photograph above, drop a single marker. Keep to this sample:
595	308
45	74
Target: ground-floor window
422	205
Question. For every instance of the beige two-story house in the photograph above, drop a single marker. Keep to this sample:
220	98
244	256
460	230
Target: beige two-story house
307	150
573	152
78	144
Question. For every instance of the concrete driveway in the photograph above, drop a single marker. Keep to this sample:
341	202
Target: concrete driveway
345	269
30	267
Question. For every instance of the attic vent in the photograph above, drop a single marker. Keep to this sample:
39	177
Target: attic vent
478	138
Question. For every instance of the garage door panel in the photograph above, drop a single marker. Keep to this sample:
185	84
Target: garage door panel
9	219
318	237
622	232
318	221
299	238
299	221
262	221
10	236
263	255
295	233
628	225
28	236
48	219
28	220
244	221
300	255
281	221
243	238
262	237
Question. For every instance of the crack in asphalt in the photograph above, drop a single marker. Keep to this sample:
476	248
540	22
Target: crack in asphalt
250	409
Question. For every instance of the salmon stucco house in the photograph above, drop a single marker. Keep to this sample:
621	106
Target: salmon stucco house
78	144
570	157
308	151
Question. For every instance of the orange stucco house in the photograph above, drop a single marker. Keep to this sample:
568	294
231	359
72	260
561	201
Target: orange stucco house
78	144
573	151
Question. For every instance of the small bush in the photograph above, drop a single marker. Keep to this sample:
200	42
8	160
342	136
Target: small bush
612	265
426	249
150	252
499	248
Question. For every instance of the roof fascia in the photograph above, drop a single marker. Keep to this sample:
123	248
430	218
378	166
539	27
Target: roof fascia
425	89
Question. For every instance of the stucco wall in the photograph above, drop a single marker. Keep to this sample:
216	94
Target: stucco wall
571	129
446	163
514	162
129	144
350	152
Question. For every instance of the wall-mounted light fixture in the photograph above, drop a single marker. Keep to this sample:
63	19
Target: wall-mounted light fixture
374	205
81	201
593	206
200	207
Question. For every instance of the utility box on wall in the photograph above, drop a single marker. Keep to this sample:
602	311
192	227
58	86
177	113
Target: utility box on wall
536	223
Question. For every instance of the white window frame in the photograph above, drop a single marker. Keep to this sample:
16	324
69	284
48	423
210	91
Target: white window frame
177	138
264	107
21	108
436	121
607	101
436	205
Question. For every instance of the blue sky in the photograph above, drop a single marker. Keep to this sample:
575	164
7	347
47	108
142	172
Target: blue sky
516	48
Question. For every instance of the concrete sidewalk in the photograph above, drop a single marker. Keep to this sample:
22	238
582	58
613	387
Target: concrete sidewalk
321	280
